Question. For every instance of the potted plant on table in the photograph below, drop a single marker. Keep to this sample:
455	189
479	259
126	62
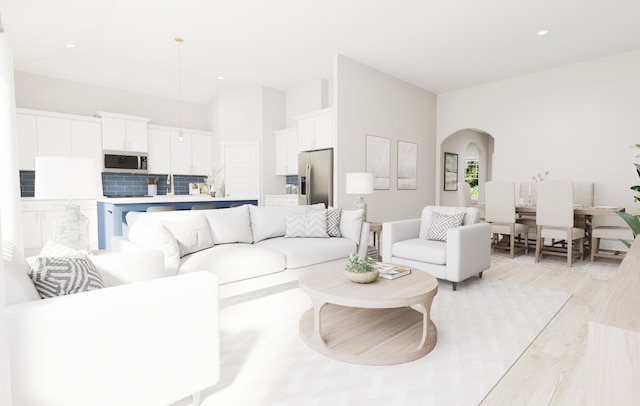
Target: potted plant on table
361	270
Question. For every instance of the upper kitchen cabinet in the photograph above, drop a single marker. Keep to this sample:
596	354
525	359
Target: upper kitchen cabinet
124	133
42	133
315	130
286	142
193	155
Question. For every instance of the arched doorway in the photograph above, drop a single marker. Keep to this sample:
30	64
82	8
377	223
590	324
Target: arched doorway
475	152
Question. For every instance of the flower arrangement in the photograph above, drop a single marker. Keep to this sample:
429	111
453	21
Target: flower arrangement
541	176
360	265
211	179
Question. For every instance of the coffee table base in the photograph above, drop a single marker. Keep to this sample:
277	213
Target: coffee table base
369	336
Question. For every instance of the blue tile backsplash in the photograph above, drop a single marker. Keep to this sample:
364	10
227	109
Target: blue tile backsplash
122	184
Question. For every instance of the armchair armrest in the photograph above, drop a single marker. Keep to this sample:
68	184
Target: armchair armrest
395	231
148	343
468	251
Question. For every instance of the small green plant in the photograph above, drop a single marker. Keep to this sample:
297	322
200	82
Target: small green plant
633	220
360	265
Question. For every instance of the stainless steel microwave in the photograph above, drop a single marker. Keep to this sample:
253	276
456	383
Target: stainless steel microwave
130	162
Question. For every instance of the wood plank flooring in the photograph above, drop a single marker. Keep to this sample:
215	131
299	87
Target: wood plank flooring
553	370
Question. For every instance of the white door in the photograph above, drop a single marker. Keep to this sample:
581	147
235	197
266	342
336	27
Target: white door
241	163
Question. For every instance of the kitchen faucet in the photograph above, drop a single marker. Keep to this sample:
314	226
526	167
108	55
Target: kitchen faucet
172	193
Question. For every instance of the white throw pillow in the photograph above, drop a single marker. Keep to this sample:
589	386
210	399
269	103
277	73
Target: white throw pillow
230	225
441	223
152	234
313	223
192	234
267	222
351	224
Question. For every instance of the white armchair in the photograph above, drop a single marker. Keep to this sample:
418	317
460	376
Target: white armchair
151	342
466	251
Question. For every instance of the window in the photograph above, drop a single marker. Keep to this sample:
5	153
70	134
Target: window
471	170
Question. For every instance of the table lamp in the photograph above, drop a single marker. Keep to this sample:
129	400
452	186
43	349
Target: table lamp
360	183
68	178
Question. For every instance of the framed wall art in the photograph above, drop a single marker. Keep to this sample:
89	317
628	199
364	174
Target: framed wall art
450	171
378	152
407	165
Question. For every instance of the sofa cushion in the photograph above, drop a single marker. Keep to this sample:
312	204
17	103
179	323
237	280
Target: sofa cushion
312	223
19	287
301	252
234	262
230	225
192	234
472	216
333	221
267	222
422	250
149	233
441	223
60	270
351	224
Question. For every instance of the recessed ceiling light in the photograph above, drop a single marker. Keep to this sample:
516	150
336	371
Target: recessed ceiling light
220	77
70	45
542	33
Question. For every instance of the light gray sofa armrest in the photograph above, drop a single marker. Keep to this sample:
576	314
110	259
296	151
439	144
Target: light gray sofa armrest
468	251
148	343
118	268
394	231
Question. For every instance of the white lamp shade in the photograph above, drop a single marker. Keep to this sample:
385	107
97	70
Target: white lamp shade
68	178
359	183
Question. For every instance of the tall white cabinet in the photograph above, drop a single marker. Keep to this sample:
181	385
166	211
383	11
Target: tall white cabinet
286	143
193	155
42	133
315	130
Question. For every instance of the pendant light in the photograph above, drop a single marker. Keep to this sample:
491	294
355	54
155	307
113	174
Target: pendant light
179	41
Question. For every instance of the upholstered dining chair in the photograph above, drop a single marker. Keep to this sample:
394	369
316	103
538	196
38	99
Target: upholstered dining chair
464	194
203	206
154	209
500	212
554	219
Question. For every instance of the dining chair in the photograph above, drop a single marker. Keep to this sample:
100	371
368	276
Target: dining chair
609	233
154	209
583	197
203	206
555	221
464	194
528	192
500	211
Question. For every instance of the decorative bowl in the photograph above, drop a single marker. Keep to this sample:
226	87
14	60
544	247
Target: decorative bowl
362	277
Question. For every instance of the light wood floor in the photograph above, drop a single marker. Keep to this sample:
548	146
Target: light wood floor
553	369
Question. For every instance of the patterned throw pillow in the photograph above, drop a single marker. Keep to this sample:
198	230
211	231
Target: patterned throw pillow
61	270
333	221
440	223
313	223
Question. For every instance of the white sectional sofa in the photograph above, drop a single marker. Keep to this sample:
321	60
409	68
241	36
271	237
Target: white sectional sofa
141	340
247	242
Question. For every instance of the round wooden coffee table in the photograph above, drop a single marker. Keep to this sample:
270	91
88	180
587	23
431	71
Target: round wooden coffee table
369	324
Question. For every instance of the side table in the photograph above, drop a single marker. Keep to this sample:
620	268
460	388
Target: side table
376	229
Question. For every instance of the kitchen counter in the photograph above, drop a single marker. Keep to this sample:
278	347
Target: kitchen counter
112	211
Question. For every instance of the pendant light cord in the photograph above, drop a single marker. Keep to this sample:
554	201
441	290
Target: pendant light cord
179	41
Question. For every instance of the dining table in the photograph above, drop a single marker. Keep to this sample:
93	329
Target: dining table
577	210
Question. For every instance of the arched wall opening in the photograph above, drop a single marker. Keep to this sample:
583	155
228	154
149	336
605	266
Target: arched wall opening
467	144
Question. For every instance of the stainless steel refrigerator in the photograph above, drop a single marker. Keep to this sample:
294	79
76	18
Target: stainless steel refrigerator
315	177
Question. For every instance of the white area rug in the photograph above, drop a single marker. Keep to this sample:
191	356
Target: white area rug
482	330
601	268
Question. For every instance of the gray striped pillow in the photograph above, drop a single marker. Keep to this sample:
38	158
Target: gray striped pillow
440	223
333	221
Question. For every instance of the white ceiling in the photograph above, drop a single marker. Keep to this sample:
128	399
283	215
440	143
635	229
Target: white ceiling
439	45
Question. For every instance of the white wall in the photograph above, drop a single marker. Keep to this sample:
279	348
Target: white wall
368	101
62	96
306	98
576	121
273	119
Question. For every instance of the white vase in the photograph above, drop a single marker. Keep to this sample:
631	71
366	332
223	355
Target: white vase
152	190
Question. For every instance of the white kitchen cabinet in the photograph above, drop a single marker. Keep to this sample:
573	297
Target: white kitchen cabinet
159	156
124	133
241	163
43	133
37	220
281	200
201	154
181	160
315	130
286	142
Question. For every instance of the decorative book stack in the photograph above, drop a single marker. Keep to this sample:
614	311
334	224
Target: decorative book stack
390	271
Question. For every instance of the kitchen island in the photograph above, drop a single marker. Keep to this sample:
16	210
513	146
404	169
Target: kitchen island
112	211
